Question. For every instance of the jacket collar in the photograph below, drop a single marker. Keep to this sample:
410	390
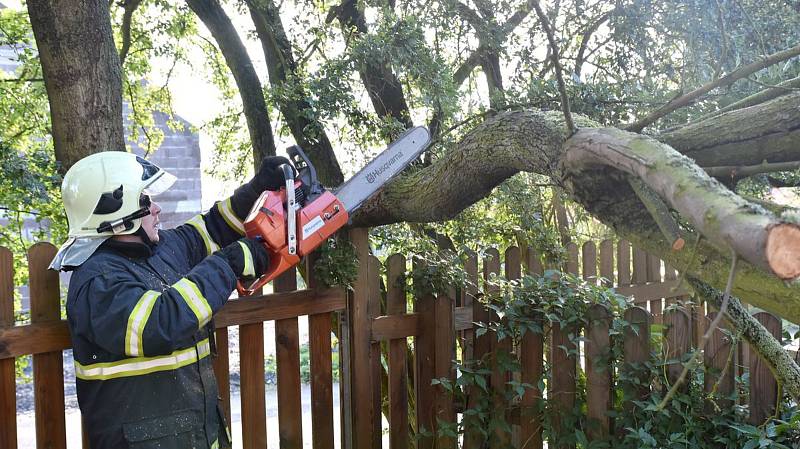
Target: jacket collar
134	250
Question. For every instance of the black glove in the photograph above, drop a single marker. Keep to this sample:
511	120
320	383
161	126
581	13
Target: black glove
270	175
247	257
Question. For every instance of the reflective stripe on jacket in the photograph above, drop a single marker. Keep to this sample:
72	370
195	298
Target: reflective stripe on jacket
140	322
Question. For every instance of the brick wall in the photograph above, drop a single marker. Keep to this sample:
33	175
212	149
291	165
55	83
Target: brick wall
179	154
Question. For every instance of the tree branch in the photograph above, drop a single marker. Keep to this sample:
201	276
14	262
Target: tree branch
562	89
587	35
382	85
240	65
737	74
783	88
772	353
660	213
736	172
474	59
292	98
768	131
127	17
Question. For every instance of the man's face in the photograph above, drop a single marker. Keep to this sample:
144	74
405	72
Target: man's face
151	223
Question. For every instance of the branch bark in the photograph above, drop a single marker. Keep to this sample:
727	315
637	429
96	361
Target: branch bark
238	61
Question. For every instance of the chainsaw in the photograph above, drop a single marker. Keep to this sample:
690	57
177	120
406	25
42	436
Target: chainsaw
295	220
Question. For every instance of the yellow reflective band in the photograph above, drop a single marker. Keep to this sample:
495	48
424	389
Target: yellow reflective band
233	221
136	322
248	261
195	300
198	223
215	444
143	365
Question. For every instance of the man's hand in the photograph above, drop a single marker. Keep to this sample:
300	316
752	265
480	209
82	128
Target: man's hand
248	258
270	175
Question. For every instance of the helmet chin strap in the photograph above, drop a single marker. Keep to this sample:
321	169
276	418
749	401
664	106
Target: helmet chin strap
145	238
126	223
122	224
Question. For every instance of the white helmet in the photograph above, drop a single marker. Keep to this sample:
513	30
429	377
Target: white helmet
101	195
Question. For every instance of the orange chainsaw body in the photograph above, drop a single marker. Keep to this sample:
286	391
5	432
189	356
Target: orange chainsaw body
315	222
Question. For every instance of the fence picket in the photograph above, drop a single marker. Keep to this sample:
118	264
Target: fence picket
532	361
677	342
287	359
763	388
513	270
445	353
563	359
589	259
718	358
498	379
607	262
475	346
251	372
639	273
366	419
623	263
48	368
654	275
321	366
398	375
598	371
8	385
636	350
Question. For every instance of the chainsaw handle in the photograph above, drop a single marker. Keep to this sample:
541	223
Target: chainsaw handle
306	171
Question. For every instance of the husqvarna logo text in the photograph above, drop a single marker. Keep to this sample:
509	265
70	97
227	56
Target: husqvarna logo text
373	175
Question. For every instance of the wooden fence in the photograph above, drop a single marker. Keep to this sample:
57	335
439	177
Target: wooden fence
372	331
441	324
47	336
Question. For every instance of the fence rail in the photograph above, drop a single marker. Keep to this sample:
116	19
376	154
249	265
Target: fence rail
381	375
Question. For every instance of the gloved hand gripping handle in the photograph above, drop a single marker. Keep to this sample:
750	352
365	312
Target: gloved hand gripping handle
273	221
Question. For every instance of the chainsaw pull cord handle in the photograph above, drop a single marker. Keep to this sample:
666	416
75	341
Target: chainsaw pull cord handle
291	207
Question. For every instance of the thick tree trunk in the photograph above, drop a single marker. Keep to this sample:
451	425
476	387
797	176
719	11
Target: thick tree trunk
593	166
82	76
232	48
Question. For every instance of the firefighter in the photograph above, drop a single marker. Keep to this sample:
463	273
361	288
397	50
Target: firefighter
141	301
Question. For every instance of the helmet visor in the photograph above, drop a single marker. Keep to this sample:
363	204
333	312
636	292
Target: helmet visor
159	183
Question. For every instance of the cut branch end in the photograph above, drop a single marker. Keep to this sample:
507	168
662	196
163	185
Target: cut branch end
783	250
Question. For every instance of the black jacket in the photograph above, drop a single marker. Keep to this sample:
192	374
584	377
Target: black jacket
140	320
